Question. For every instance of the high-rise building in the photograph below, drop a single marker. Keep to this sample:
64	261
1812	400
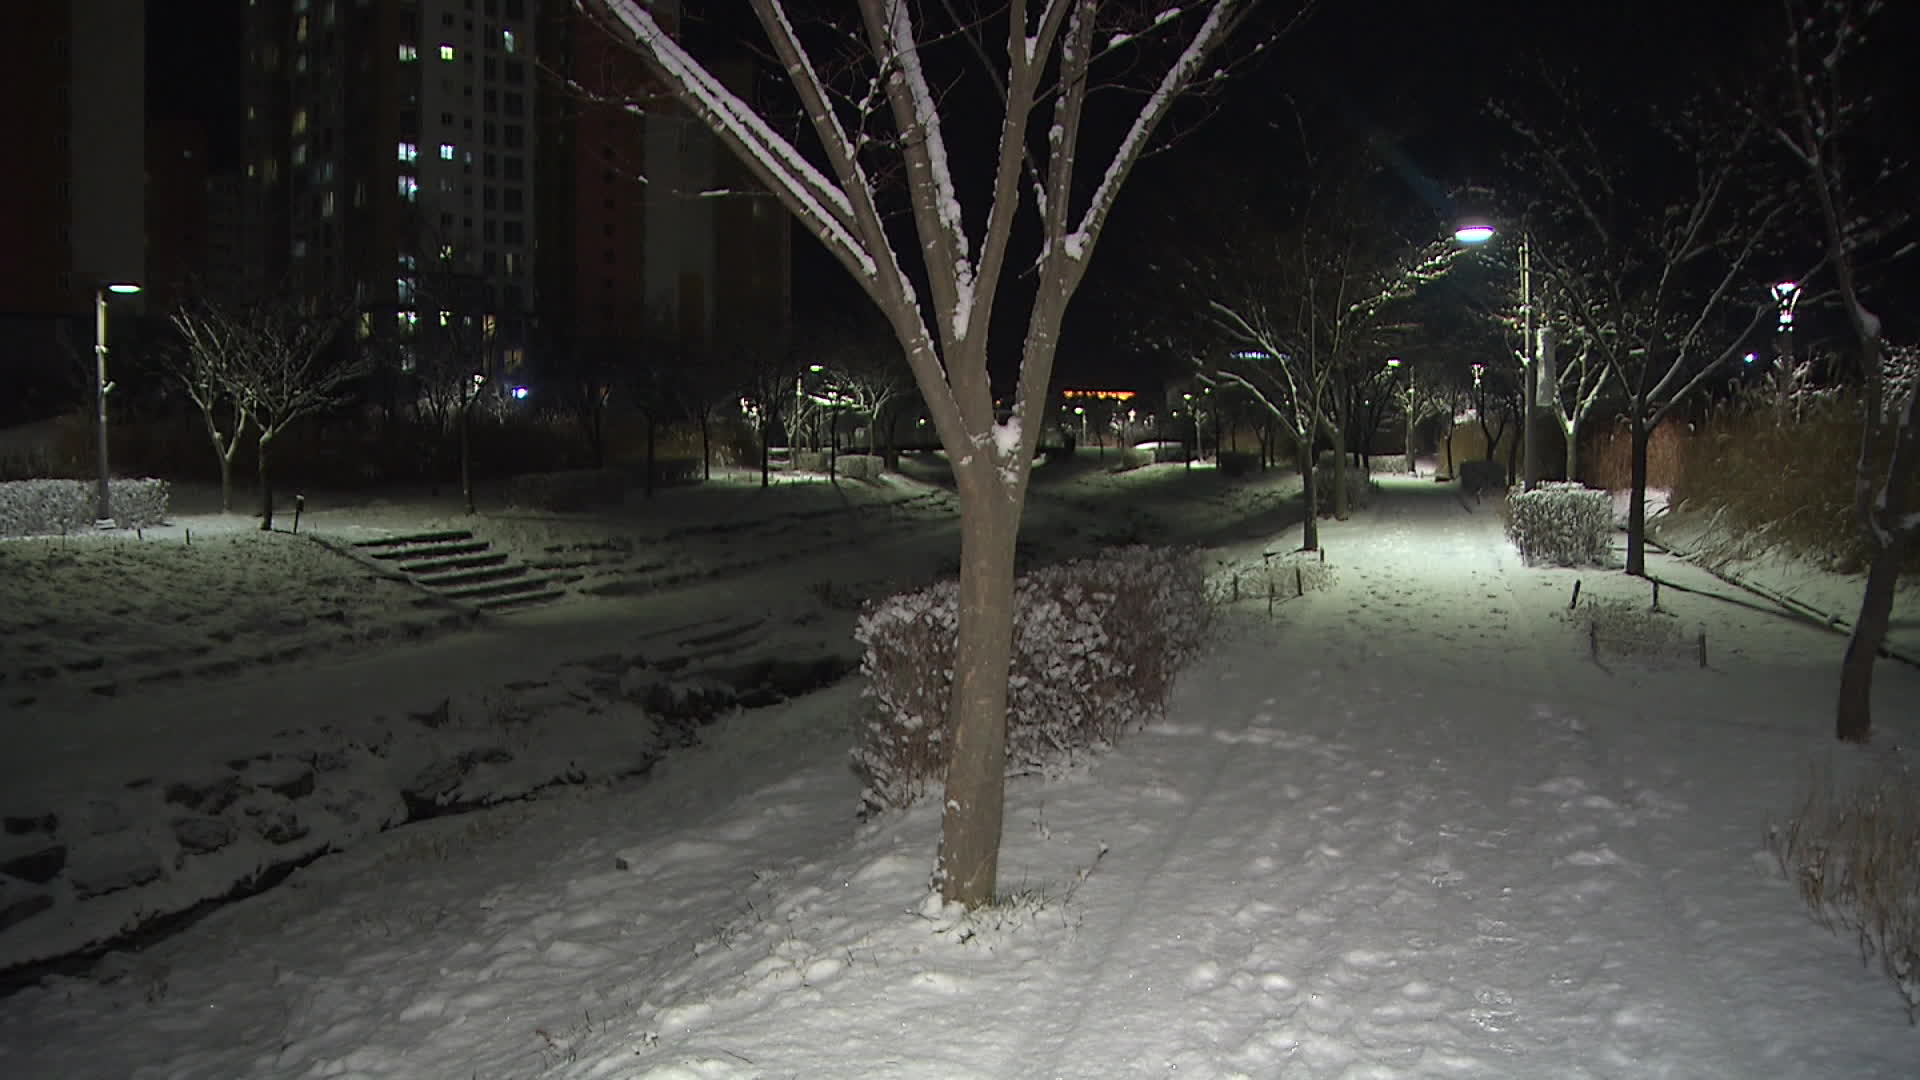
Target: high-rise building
652	231
73	192
388	158
435	160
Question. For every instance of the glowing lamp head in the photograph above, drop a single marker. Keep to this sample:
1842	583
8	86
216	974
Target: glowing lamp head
1474	232
124	287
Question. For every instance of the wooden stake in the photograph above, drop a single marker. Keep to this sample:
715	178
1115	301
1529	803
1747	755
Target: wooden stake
1575	602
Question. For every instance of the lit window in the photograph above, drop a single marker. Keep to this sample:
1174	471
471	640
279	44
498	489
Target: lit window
406	321
446	51
300	29
408	52
403	289
407	151
407	260
326	204
409	187
446	317
299	249
300	154
506	40
365	329
446	151
299	121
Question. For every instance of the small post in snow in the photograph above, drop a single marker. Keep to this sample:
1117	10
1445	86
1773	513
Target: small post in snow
1575	602
299	504
1703	646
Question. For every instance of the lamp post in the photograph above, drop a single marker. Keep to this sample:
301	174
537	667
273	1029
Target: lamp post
1479	232
103	504
1785	295
1393	368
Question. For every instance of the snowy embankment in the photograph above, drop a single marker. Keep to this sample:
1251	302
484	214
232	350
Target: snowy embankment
1407	826
194	710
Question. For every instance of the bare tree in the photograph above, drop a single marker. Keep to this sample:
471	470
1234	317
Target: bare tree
1855	157
291	367
1310	306
1040	63
215	342
1652	242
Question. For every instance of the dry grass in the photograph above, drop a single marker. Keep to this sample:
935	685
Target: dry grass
1853	851
1785	486
1606	455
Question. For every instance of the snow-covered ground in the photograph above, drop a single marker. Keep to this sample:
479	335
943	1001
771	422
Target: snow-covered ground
1405	825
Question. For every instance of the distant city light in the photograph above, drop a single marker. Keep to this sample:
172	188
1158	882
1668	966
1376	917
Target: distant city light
519	393
1749	358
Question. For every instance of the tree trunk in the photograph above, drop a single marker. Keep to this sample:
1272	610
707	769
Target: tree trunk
1572	432
1341	509
1310	532
1854	720
652	443
466	456
970	826
223	450
1637	498
706	444
266	485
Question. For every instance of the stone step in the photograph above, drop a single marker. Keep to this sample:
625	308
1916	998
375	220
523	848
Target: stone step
445	582
416	538
461	562
434	550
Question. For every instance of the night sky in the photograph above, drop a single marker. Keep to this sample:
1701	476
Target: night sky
1413	74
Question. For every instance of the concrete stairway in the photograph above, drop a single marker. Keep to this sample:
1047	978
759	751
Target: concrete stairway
457	565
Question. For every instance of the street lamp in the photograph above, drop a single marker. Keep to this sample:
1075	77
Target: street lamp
1785	295
1479	232
103	503
1393	370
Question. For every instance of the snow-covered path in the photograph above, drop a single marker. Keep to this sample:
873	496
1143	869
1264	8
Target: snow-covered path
1405	828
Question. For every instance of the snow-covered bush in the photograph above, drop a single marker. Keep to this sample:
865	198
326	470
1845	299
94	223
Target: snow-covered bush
576	489
51	507
1564	524
860	466
1133	457
1483	475
1096	643
1359	484
1853	851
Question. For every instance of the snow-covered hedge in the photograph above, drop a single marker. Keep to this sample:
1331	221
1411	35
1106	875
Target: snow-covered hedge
1134	457
860	466
1561	523
1096	643
52	507
576	489
1359	485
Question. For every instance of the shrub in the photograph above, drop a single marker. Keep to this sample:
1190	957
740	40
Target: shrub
1359	485
1564	524
1238	462
1134	457
1483	475
574	489
1854	854
1096	644
46	507
859	466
